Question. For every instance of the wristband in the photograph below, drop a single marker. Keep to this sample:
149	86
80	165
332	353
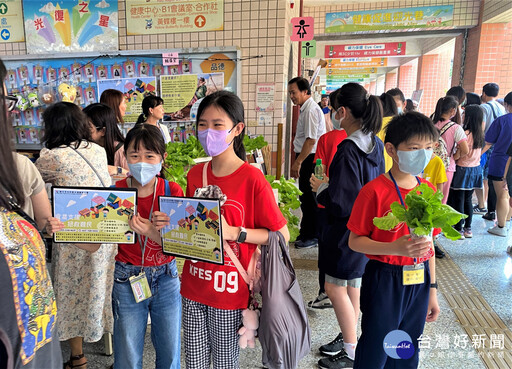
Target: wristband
242	235
433	285
119	170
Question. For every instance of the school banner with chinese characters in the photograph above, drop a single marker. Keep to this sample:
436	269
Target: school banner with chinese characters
70	26
94	215
194	231
173	16
356	62
336	77
365	50
11	27
134	90
387	19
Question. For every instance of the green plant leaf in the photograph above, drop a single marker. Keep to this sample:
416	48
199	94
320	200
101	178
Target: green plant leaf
387	222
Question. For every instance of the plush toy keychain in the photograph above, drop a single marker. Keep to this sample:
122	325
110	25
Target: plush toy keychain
249	329
67	92
33	100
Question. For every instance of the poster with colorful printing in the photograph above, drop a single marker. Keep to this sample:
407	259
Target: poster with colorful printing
365	50
134	90
180	92
386	19
11	25
94	215
174	16
195	228
70	26
357	62
265	96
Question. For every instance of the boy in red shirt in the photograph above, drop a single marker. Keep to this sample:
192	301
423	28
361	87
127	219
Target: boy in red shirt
393	314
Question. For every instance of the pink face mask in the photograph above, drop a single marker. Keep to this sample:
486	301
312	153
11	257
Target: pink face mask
214	141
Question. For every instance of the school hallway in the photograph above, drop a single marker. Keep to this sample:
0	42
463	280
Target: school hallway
475	292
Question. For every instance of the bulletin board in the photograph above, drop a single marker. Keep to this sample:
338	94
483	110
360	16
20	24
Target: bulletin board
35	80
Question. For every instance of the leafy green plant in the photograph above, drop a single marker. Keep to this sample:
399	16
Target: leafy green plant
423	213
180	157
288	201
252	144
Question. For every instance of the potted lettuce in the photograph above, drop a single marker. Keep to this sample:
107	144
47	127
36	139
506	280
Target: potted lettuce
424	211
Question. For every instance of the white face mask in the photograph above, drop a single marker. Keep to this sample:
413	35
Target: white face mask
336	123
413	162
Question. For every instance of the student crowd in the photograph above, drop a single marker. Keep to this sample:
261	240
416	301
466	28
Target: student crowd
375	150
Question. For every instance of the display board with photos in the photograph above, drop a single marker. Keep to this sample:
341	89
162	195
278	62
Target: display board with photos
35	82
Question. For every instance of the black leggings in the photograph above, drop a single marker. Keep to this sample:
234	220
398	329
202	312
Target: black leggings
460	200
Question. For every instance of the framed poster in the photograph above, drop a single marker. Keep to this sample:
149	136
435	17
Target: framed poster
94	214
195	230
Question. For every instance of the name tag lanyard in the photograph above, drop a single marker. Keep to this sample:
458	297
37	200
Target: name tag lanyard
400	196
139	283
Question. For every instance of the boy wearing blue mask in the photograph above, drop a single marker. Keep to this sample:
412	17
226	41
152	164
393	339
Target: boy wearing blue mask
393	309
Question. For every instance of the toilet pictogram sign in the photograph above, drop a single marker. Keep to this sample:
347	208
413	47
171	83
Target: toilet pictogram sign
302	29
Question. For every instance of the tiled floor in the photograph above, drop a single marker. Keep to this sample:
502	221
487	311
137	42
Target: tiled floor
474	295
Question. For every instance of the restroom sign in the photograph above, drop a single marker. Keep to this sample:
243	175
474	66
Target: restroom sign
302	29
308	49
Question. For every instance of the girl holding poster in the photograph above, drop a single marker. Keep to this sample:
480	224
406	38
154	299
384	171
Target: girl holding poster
215	295
146	280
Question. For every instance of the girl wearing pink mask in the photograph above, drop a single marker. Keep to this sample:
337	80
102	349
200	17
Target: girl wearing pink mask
215	295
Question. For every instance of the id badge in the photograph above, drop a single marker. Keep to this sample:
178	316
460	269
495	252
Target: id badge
413	274
140	287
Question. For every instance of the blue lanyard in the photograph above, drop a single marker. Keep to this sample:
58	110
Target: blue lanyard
398	189
400	196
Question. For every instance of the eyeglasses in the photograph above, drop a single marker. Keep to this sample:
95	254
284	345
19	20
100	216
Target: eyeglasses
10	102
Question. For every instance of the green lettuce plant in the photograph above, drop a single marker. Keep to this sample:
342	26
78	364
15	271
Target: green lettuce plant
288	201
180	158
424	212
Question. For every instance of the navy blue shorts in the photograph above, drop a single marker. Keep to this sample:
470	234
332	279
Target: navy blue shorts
388	305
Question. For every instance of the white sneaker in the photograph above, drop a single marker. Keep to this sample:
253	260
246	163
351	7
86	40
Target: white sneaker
498	231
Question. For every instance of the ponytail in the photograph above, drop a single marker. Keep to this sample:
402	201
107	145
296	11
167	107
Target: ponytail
362	105
372	117
141	119
445	104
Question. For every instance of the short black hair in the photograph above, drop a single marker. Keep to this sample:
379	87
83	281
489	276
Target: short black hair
508	99
472	98
65	124
406	126
491	89
458	92
302	84
397	92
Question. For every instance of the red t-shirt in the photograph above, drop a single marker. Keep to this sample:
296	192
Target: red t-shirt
250	203
153	256
328	145
374	200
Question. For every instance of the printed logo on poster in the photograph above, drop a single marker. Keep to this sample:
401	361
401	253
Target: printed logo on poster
398	345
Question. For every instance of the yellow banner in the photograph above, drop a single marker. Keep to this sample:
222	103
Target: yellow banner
11	28
174	16
333	71
357	62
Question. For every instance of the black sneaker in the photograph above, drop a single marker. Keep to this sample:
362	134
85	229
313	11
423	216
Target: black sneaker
490	215
321	302
307	244
439	253
337	361
334	347
477	210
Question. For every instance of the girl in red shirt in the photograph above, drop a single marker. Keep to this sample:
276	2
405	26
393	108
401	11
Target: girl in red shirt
214	295
144	262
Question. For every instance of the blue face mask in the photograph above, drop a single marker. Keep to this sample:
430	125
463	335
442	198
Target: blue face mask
400	111
144	172
413	162
335	122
